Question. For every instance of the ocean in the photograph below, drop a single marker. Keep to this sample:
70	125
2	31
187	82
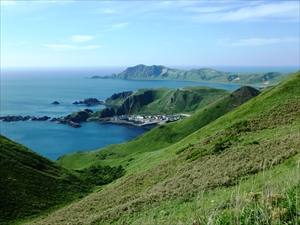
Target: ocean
31	92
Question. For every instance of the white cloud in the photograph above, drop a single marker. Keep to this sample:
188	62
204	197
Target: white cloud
117	26
105	11
59	47
7	2
81	38
262	41
287	11
205	9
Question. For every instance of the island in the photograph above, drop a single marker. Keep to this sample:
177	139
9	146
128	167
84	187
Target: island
159	72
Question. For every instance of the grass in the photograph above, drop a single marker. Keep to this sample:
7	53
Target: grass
32	186
269	196
242	168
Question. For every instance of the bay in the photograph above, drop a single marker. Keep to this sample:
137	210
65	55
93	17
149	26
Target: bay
31	92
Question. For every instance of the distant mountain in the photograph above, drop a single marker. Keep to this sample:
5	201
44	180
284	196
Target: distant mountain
143	72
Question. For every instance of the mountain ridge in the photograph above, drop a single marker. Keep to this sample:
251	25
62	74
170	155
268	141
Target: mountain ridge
154	72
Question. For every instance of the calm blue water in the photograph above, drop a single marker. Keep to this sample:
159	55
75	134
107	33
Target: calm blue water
30	92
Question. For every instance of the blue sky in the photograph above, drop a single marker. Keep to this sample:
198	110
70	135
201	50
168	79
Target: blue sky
170	33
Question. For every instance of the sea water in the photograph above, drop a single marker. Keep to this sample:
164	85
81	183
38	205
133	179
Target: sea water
31	92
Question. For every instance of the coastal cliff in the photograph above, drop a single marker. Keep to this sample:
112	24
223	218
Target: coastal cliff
154	72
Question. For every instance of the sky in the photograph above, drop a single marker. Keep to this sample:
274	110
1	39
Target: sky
170	33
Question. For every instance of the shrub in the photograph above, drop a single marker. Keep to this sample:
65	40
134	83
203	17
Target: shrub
100	175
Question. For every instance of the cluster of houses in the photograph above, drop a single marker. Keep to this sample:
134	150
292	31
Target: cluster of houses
140	120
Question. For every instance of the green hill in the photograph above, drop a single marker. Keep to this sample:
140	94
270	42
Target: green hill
162	136
31	185
242	168
144	72
163	101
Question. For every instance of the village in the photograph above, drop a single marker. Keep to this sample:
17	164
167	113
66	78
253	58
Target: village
145	120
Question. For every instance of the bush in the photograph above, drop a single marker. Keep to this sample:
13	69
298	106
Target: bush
100	175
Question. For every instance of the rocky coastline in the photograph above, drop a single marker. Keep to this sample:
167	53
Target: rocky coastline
63	120
68	120
25	118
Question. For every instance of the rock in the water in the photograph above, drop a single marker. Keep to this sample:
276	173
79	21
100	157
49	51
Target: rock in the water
43	118
89	102
25	118
11	118
73	124
55	103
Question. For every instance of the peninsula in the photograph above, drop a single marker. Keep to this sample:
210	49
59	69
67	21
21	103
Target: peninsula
158	72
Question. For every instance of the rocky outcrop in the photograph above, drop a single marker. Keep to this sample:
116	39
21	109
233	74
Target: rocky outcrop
80	116
135	103
143	71
25	118
65	120
115	96
43	118
89	102
73	124
107	112
74	119
55	103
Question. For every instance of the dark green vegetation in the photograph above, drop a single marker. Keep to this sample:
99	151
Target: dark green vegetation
205	75
163	101
31	185
80	116
118	98
100	175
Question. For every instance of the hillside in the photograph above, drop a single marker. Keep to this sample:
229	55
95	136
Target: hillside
162	136
242	168
31	185
143	72
163	101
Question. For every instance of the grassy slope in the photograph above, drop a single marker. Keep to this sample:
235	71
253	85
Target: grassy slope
165	100
162	136
30	184
203	176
